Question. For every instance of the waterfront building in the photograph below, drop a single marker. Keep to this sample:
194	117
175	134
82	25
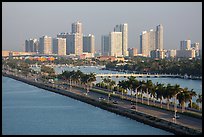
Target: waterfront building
115	42
89	43
31	45
59	46
185	45
105	45
124	29
132	52
159	37
45	46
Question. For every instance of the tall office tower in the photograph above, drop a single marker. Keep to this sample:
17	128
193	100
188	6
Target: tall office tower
89	43
74	40
45	46
62	35
195	46
144	43
105	45
115	43
59	46
124	29
159	37
77	27
152	42
185	45
74	44
31	45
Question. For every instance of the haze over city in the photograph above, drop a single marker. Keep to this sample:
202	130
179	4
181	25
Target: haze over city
25	20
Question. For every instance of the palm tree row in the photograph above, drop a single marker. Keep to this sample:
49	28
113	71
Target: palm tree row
159	91
78	77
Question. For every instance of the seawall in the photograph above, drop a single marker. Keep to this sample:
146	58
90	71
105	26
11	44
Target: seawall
138	116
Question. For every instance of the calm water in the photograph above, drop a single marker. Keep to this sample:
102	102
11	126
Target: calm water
29	110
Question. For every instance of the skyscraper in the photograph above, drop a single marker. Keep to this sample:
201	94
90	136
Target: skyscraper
105	45
115	42
59	46
124	29
74	40
144	43
45	46
159	37
185	45
151	40
89	43
31	45
77	27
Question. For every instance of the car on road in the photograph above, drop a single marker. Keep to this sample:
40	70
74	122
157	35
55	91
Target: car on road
133	107
115	102
101	98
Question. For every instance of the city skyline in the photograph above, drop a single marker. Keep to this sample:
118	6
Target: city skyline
180	18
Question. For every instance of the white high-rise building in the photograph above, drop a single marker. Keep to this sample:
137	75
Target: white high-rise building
89	43
115	42
105	45
124	29
151	40
144	43
77	27
45	46
159	37
59	46
185	45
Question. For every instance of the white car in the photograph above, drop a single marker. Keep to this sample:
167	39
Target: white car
176	116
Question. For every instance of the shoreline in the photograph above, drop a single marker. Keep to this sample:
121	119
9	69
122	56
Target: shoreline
138	116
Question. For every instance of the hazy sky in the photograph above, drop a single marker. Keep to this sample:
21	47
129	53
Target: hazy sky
25	20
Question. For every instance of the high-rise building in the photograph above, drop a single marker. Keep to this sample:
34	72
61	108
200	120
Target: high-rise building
77	27
132	52
31	45
124	29
185	45
115	42
62	35
144	43
151	40
171	53
89	43
45	46
195	46
74	40
105	45
159	37
59	46
157	54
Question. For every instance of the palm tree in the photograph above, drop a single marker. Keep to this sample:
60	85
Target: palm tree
199	100
192	94
142	89
183	97
168	93
176	90
153	92
160	92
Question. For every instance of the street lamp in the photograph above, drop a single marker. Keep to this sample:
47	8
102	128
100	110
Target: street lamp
175	107
136	97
